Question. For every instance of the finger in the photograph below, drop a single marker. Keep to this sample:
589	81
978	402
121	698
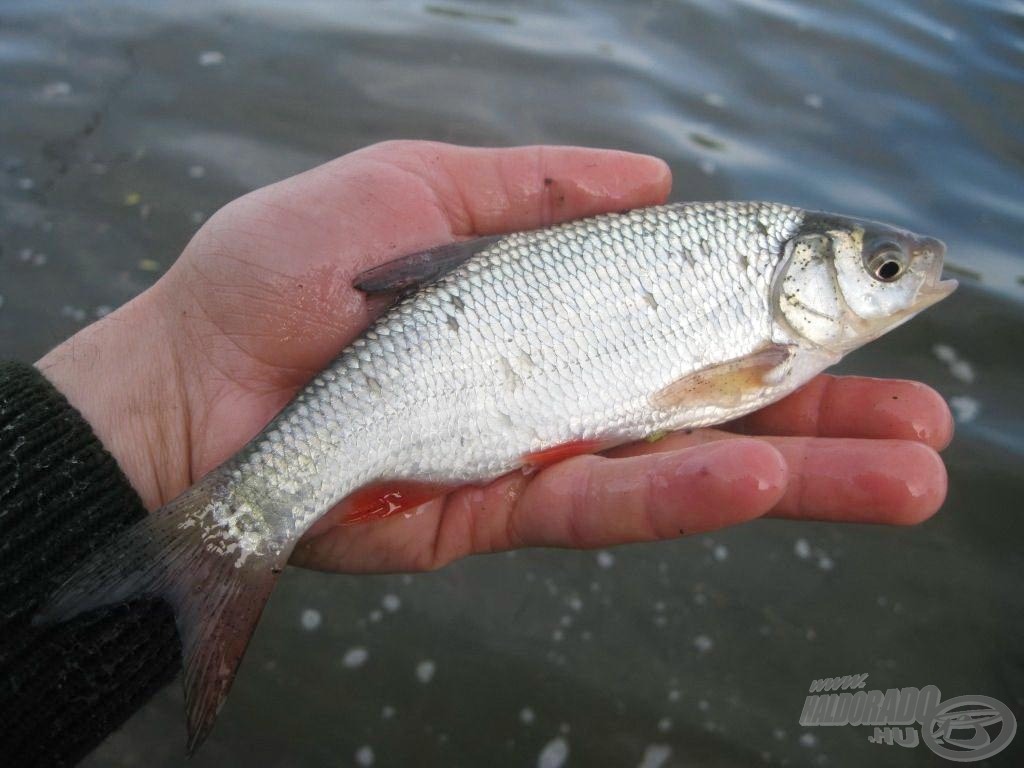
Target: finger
896	482
592	501
485	191
857	406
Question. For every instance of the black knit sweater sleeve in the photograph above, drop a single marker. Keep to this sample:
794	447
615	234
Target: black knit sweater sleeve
64	688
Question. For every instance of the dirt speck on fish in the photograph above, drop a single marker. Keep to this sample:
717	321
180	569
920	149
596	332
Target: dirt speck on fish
507	352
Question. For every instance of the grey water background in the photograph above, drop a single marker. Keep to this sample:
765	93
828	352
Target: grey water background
124	124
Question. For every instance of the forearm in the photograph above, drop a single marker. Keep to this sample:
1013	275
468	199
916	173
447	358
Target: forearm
64	688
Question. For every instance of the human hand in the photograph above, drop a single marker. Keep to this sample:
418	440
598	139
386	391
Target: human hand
179	379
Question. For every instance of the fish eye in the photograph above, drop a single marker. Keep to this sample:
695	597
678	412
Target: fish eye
887	263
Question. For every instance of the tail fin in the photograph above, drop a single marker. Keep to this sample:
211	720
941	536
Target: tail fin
180	553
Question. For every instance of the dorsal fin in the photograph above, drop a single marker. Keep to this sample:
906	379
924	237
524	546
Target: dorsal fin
417	269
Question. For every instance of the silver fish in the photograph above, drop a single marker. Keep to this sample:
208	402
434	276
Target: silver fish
504	351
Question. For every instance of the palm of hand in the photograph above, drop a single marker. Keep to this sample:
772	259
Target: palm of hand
261	300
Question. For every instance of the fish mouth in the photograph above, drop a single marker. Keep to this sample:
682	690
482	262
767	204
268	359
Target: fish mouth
934	288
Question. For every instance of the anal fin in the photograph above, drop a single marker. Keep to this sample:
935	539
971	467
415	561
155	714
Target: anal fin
383	499
725	384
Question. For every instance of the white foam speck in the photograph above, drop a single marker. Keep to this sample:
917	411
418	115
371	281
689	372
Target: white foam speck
391	603
196	171
826	563
526	716
655	755
210	59
965	408
355	657
311	619
720	552
605	559
703	643
425	671
376	615
56	89
674	695
802	549
387	712
665	725
708	167
779	734
557	635
808	740
703	705
814	101
714	99
945	353
575	603
364	756
554	754
962	371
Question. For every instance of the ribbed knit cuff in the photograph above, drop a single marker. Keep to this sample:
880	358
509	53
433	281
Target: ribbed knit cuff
64	688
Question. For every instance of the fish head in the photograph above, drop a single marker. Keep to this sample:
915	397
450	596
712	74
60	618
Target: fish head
843	282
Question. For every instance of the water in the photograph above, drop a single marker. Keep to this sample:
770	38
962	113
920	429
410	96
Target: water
123	125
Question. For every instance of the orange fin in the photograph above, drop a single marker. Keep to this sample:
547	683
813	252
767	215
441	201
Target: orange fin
558	453
725	384
386	498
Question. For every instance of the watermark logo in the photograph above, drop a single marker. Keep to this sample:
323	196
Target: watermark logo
962	729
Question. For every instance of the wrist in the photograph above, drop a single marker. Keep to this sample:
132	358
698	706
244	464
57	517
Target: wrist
121	374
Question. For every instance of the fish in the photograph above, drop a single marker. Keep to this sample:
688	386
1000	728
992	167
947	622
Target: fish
504	353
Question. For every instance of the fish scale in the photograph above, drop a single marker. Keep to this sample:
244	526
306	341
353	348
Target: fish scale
512	352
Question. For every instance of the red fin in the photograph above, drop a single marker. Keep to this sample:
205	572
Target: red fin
564	451
386	498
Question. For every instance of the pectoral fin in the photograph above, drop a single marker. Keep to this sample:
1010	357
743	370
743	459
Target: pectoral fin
417	269
725	384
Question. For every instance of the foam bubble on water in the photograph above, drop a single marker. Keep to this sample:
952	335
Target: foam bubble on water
814	101
391	603
575	603
311	619
959	368
703	705
944	352
196	171
720	552
703	643
56	90
708	167
802	549
808	740
557	635
674	694
779	734
665	725
965	408
655	756
210	59
826	563
355	657
605	559
714	99
526	716
425	671
554	754
376	615
387	712
364	756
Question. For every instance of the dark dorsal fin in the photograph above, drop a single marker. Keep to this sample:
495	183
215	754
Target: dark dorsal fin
418	268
